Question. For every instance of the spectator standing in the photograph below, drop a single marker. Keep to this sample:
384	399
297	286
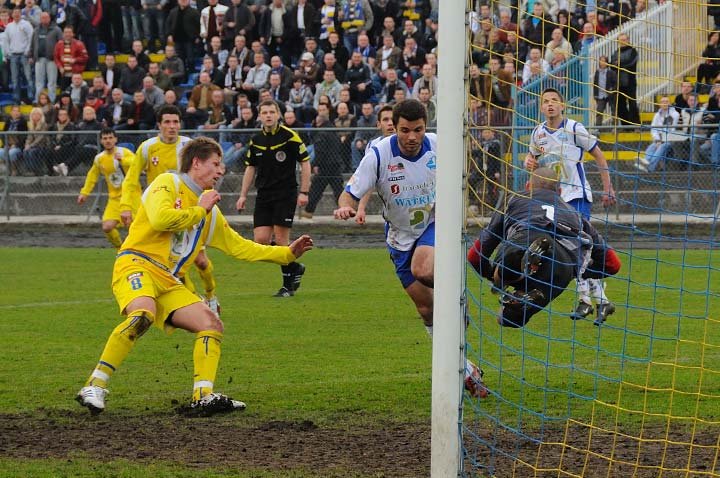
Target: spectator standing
239	20
70	56
498	87
604	90
212	20
537	28
329	19
132	23
68	15
111	71
111	25
410	30
44	39
93	12
389	28
31	13
19	34
345	119
356	16
272	29
625	62
328	165
710	67
153	18
302	21
183	29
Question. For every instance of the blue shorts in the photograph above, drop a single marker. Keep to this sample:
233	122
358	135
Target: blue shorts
403	259
583	206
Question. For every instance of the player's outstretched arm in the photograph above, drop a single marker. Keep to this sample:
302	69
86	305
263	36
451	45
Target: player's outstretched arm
301	245
346	206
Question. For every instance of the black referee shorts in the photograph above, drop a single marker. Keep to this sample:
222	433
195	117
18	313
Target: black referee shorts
275	209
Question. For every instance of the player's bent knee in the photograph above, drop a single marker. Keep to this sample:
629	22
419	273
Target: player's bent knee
209	321
137	324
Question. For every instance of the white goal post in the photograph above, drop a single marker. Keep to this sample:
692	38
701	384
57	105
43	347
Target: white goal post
448	324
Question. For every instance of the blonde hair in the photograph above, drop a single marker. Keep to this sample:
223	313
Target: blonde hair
40	125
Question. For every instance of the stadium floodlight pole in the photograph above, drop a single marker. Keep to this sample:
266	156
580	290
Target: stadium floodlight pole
448	336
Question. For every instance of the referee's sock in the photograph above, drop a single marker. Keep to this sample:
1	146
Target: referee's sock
118	346
113	238
208	279
206	357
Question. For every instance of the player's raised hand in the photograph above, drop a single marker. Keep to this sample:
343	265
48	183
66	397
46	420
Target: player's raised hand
301	245
126	218
81	199
208	199
344	213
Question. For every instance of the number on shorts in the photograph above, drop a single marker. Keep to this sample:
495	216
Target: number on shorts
549	212
136	283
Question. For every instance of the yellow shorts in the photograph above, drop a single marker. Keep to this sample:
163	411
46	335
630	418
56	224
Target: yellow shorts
135	277
112	210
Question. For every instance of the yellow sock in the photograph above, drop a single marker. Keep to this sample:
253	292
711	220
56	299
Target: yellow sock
114	238
118	346
208	279
206	357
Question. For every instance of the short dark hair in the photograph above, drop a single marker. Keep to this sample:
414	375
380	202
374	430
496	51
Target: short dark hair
201	148
268	103
108	131
383	110
168	110
411	110
552	90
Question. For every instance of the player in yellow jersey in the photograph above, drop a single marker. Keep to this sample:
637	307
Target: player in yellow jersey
112	163
178	215
156	156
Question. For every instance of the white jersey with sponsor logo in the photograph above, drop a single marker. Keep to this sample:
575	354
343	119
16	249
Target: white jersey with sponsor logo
405	185
563	149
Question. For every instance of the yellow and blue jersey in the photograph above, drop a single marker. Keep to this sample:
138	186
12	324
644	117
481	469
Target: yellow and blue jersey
170	229
113	166
154	157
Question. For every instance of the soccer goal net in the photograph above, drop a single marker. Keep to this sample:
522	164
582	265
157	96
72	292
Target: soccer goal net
629	384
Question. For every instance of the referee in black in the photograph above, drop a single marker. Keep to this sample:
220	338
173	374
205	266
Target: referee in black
271	161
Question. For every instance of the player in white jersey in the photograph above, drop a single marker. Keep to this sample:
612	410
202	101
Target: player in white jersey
386	127
560	143
401	168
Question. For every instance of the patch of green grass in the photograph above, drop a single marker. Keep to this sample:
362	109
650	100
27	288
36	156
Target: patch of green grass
349	348
85	468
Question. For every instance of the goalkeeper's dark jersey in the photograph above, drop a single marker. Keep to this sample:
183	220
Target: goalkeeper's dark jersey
544	212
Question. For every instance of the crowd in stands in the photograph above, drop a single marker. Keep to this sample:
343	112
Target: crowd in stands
217	59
